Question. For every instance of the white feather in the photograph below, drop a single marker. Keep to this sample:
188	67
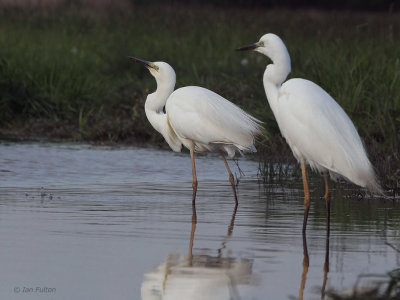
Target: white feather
316	128
210	121
198	118
320	132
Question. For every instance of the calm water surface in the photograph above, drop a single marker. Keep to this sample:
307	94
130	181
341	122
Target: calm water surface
83	222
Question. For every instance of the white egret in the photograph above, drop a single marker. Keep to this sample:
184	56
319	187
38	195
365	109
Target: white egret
316	128
197	118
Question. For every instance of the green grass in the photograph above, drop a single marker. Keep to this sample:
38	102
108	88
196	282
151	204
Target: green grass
64	73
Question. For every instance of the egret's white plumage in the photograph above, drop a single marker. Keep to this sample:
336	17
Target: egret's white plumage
328	139
210	121
197	118
316	128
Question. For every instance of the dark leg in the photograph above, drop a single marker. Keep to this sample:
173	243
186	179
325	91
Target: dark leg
229	233
306	263
306	196
326	265
194	222
231	179
328	214
230	228
194	183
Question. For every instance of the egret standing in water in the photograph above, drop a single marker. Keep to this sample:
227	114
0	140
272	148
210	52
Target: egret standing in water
197	118
316	128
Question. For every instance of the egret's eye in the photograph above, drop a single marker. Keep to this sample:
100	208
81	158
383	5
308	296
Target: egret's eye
261	44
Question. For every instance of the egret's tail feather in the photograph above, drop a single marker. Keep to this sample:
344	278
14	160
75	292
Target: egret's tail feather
374	187
369	180
366	179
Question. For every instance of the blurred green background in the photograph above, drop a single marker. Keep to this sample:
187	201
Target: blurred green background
64	72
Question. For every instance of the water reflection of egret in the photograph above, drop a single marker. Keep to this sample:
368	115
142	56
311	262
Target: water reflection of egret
198	276
316	128
197	118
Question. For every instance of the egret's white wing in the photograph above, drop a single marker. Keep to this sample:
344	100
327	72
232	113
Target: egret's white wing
205	117
319	131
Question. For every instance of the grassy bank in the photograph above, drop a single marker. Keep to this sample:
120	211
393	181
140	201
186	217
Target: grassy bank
64	72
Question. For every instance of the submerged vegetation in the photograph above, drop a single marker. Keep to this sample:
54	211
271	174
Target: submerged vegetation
64	72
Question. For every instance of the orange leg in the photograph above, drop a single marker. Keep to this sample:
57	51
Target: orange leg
194	183
327	197
306	195
231	178
327	194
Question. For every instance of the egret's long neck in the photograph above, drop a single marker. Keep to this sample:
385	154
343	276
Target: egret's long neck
155	103
275	74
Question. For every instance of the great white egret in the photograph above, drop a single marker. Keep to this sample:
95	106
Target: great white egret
197	118
316	128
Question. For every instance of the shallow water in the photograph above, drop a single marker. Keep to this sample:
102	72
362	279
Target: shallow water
116	223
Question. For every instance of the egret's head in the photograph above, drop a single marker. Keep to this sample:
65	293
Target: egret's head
270	45
161	71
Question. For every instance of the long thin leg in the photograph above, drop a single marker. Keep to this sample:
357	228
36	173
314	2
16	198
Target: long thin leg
328	215
231	178
306	195
306	263
327	201
194	183
326	178
194	222
230	230
326	265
